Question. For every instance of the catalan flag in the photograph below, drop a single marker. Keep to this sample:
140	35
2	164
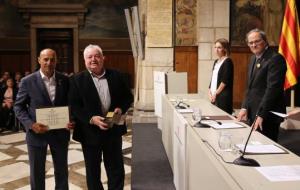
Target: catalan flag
289	45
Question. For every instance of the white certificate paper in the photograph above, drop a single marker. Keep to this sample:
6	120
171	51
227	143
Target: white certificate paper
281	173
53	117
229	125
283	115
261	149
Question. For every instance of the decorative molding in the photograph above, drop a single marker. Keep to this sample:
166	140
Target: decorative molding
38	13
37	16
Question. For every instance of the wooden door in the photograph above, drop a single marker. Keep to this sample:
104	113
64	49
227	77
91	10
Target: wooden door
186	60
61	40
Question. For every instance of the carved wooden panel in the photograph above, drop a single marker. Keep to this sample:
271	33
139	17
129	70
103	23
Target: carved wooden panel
240	57
186	60
120	60
14	61
61	40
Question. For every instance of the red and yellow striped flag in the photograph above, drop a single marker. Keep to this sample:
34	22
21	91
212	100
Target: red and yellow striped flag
289	45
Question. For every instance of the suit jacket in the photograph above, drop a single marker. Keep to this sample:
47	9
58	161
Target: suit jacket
85	103
265	89
33	94
225	75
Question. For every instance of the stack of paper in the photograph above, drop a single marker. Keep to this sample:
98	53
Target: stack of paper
227	125
185	110
281	173
261	149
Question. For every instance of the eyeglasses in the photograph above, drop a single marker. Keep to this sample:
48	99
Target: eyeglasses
255	42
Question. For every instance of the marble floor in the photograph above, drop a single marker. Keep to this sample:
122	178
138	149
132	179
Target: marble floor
14	165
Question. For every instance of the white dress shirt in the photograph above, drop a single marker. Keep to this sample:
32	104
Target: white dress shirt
214	78
103	91
50	84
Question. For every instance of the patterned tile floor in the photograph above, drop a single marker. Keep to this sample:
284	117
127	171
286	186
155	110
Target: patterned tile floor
14	165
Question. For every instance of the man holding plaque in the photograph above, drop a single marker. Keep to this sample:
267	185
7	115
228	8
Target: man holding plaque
94	94
45	88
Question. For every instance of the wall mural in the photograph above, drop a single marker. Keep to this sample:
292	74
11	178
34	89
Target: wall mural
186	23
263	14
105	18
98	24
11	23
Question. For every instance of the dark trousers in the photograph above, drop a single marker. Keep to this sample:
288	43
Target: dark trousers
7	118
37	160
111	148
270	129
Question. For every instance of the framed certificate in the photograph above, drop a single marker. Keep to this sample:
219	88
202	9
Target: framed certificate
53	117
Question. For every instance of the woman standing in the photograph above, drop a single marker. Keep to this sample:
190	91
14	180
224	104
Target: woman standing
221	84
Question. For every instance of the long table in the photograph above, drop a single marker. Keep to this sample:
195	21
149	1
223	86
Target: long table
193	152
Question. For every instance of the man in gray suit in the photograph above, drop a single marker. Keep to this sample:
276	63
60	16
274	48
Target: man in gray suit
44	88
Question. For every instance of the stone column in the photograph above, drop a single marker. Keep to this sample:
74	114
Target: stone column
157	57
213	23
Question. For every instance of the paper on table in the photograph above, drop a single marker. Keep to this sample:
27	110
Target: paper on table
227	125
185	110
283	115
261	149
280	173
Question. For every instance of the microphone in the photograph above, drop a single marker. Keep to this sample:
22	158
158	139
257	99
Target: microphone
182	105
247	161
204	125
209	119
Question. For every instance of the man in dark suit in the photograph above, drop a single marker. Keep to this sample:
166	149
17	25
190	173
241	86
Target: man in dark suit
44	88
93	93
265	89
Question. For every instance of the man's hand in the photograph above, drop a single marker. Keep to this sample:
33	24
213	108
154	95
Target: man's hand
70	125
118	111
258	123
99	121
242	116
39	128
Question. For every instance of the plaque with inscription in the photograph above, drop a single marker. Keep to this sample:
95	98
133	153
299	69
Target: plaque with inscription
53	117
159	23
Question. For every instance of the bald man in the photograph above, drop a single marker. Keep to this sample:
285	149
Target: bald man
44	88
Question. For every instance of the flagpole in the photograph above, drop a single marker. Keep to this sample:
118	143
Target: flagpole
289	47
292	98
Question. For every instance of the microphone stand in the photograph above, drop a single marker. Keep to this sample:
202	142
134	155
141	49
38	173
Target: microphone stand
182	105
204	125
208	119
247	161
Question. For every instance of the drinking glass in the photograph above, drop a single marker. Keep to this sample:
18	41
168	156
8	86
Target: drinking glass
224	141
235	140
197	115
